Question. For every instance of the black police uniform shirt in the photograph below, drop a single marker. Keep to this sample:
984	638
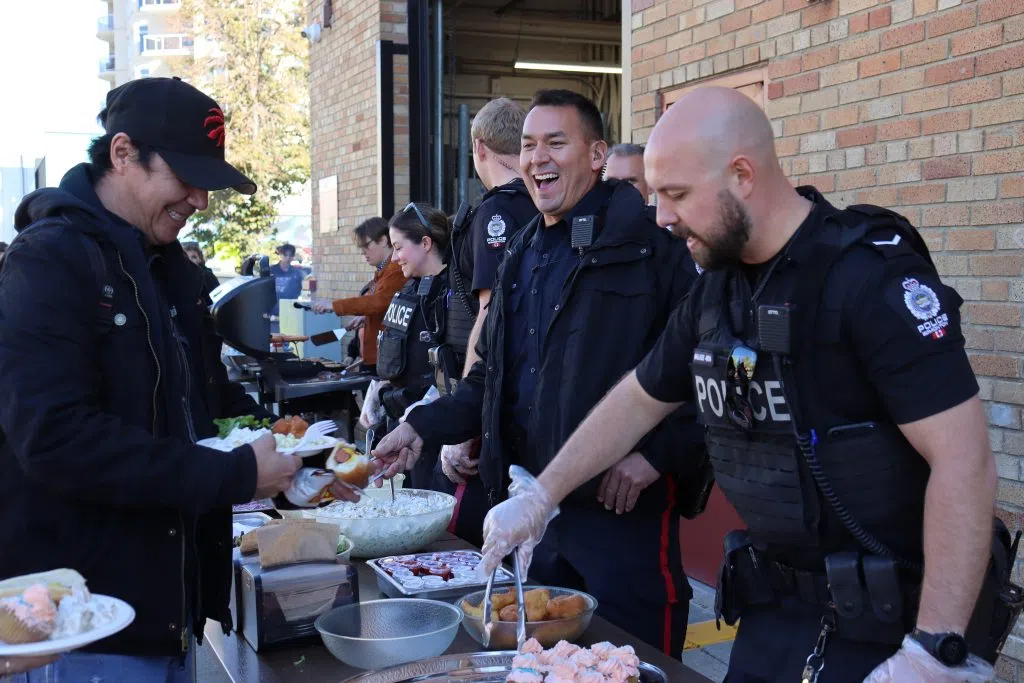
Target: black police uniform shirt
899	356
547	263
494	224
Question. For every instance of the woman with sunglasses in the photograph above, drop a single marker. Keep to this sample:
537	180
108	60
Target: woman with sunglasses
415	320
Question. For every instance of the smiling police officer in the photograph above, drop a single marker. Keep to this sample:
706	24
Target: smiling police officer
825	357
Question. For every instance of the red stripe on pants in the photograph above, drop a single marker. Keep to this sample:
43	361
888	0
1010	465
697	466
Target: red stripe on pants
663	561
459	491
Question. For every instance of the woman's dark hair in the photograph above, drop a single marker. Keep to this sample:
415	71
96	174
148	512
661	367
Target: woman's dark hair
417	221
371	230
99	150
194	247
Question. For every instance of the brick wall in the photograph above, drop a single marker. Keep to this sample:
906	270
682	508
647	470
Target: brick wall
916	105
343	118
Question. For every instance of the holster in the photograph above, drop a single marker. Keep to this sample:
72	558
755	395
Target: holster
1001	600
395	401
742	583
447	368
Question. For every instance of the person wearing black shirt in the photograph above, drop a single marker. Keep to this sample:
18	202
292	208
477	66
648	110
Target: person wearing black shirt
826	360
479	240
195	255
580	297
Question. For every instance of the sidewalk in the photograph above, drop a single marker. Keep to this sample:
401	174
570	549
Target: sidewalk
707	649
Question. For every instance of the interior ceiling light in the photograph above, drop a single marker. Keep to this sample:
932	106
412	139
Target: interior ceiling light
593	68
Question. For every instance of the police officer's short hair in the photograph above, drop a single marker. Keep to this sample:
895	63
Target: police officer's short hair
371	230
588	111
419	220
626	149
499	125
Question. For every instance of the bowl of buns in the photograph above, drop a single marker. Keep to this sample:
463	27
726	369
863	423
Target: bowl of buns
552	614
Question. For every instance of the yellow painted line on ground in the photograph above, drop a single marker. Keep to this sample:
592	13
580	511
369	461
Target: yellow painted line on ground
705	633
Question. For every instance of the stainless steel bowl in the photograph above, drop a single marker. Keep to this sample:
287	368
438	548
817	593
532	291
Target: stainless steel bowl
382	633
547	633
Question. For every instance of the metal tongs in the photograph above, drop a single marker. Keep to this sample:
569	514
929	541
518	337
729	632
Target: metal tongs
521	616
369	443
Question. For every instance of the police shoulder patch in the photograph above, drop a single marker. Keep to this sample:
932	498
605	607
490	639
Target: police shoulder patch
496	229
924	305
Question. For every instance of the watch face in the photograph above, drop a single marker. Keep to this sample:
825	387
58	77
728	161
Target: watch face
952	650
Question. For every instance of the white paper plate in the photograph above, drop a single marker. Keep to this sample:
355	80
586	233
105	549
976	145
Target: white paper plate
214	442
123	616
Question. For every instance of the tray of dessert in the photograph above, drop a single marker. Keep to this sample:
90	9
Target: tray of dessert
53	612
600	663
435	576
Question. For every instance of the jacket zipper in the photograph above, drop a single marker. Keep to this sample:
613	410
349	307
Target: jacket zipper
183	629
149	336
186	405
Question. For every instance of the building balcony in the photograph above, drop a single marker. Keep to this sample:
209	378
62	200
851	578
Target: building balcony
163	6
105	27
165	44
107	68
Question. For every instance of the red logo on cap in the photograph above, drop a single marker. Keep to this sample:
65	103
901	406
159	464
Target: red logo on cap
215	124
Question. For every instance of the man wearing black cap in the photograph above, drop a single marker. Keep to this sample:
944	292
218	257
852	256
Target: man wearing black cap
112	373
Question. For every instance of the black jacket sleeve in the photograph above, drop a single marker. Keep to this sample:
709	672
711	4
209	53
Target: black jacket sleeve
678	441
55	424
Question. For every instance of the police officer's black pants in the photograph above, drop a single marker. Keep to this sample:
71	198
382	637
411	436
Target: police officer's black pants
631	563
772	646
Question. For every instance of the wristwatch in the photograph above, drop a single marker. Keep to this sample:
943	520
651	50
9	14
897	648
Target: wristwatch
948	648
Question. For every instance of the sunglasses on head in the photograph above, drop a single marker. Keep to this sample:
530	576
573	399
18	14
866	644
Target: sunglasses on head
739	372
419	214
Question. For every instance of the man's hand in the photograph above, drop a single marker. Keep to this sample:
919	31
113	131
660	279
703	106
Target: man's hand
356	323
274	471
458	463
623	483
399	450
517	524
17	665
913	664
322	306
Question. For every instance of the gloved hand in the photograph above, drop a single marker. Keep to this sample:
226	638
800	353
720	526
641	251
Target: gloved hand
372	412
519	522
913	664
429	397
323	306
458	463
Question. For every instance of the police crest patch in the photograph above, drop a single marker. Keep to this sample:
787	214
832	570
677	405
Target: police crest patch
496	231
920	299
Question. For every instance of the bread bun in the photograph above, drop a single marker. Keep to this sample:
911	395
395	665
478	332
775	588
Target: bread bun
351	468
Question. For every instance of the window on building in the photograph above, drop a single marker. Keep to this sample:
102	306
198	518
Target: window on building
753	83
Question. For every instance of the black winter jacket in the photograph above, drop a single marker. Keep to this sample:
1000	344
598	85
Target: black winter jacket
612	311
98	471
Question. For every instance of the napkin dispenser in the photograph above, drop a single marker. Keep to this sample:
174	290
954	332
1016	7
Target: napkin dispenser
280	604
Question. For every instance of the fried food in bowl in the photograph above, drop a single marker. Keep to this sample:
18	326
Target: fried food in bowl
552	614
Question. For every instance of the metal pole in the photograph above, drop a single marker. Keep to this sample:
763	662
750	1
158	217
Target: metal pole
464	152
438	106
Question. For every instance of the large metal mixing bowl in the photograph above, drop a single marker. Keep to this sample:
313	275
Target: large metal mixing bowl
383	633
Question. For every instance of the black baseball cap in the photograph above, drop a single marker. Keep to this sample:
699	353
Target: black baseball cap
185	126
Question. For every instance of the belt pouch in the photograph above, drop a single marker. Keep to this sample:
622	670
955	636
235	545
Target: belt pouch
881	577
742	578
855	613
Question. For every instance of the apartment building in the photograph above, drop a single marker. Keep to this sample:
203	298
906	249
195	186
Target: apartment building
143	35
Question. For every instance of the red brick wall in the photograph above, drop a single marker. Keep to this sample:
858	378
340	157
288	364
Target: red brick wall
343	101
916	105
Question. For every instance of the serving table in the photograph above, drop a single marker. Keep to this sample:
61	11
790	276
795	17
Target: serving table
308	659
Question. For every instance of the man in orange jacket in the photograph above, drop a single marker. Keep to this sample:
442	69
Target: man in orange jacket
372	238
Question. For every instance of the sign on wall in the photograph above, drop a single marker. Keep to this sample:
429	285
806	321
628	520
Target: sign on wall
328	196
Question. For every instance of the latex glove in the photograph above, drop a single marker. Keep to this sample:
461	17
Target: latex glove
913	664
372	412
398	451
623	483
458	463
355	323
519	522
429	397
322	306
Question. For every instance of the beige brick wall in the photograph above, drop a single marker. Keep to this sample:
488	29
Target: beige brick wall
343	117
916	105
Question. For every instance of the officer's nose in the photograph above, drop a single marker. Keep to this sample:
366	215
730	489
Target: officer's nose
664	216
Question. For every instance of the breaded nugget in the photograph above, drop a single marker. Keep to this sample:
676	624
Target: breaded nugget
500	600
536	603
566	607
474	611
509	613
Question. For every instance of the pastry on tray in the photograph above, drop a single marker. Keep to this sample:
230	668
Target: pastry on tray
568	663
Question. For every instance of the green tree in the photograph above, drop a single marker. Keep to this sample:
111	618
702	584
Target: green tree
250	56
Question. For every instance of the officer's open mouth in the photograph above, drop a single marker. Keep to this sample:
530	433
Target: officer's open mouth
545	180
176	216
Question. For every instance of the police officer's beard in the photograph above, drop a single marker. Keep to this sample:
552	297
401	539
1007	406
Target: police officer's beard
730	236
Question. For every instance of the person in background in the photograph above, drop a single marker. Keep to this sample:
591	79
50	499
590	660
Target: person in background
372	237
3	249
112	374
626	162
287	278
415	320
195	255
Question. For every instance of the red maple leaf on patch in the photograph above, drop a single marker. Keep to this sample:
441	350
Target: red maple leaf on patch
215	125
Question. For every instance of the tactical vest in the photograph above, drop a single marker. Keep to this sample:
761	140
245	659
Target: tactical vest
867	473
393	338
